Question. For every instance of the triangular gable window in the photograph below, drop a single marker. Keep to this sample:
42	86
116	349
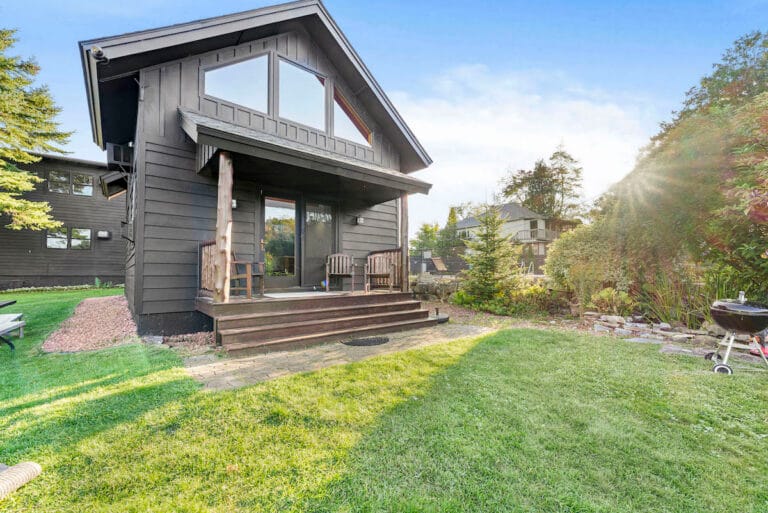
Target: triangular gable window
347	124
245	83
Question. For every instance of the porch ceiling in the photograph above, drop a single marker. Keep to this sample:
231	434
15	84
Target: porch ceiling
273	158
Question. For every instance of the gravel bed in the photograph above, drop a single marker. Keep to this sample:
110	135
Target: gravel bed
97	323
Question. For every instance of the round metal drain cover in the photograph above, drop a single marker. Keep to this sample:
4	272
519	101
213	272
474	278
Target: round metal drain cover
368	341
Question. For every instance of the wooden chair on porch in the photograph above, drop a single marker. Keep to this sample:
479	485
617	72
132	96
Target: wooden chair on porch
339	265
242	274
380	269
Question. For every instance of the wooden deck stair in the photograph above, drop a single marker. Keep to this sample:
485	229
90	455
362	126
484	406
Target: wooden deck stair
278	324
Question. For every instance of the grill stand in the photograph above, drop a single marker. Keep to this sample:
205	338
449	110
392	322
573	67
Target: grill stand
729	343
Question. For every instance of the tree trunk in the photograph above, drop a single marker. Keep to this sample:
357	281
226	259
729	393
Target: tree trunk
223	260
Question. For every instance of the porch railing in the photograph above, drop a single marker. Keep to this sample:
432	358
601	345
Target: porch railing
396	256
206	255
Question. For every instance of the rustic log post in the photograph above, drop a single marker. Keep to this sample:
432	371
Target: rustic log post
223	259
405	267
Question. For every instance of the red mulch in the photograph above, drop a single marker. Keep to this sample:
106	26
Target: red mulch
97	323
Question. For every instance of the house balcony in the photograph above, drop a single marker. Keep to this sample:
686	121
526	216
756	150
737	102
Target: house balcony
538	235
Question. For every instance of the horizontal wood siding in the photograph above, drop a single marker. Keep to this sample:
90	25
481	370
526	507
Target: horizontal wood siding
179	212
379	231
25	259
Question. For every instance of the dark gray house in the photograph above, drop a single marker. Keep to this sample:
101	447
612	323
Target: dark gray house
88	246
264	133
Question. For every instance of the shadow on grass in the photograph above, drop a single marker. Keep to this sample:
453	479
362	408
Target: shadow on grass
49	402
532	421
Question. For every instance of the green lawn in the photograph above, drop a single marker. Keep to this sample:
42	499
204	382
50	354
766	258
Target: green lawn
522	420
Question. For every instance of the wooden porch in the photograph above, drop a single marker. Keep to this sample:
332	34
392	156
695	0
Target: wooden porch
249	316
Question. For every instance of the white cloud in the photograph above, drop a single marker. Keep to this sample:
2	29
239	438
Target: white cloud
476	124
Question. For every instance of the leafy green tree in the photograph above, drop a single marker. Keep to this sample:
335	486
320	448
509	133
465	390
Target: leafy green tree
426	239
448	240
493	260
551	188
690	221
27	125
741	74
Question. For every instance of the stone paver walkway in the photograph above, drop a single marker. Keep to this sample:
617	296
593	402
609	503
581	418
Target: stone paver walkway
218	373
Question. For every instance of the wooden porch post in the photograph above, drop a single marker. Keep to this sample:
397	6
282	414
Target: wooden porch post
223	259
405	267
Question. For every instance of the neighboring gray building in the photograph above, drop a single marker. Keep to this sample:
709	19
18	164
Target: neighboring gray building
321	159
88	246
523	226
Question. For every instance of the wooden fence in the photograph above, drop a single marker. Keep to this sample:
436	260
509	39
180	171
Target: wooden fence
206	256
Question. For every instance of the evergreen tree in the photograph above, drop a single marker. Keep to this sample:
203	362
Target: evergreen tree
448	239
492	259
27	125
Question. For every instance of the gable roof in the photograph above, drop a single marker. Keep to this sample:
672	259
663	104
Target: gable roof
508	212
110	64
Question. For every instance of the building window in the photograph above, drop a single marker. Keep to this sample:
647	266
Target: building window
301	95
82	185
245	83
347	123
58	181
56	239
74	238
80	238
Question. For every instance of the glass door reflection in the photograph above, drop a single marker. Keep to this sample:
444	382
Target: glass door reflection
280	241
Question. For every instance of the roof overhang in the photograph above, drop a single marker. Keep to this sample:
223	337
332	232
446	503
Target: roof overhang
219	134
113	62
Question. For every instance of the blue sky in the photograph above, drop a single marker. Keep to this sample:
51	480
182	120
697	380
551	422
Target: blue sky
486	85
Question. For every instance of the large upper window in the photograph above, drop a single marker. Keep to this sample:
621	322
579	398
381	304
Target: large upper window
347	123
302	95
245	83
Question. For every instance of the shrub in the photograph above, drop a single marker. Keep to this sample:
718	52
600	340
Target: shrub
584	262
610	300
532	300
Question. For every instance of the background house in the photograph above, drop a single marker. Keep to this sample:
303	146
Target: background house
523	226
88	246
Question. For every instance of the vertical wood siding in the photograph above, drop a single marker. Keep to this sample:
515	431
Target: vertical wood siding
180	83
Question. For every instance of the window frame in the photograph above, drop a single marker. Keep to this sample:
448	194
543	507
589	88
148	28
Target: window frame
231	62
89	239
277	81
344	101
65	231
69	181
72	175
